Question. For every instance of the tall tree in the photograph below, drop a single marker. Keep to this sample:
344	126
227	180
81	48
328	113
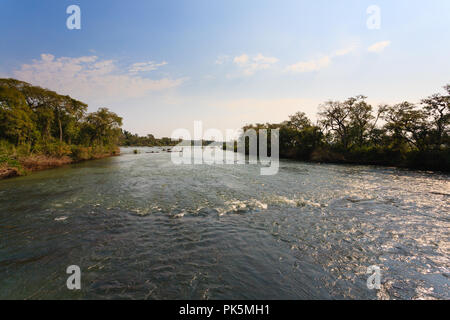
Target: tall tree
361	118
16	124
437	108
69	111
299	121
335	117
105	126
407	124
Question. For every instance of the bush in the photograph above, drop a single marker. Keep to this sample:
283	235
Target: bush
53	149
81	153
7	148
5	160
23	150
86	153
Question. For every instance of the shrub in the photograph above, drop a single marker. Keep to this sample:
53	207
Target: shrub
54	149
81	153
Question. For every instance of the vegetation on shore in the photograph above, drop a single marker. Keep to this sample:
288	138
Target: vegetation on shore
127	139
402	135
40	129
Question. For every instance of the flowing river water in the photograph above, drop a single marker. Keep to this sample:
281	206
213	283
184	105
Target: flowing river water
141	227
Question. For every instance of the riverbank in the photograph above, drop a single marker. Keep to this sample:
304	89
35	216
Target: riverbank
431	160
428	160
15	166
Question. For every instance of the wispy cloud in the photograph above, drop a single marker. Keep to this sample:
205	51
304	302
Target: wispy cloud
320	62
222	59
344	51
241	60
264	60
92	79
310	65
250	65
379	46
145	66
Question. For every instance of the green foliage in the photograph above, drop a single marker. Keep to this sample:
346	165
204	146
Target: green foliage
7	147
348	123
33	114
16	124
8	161
81	153
133	140
102	127
40	121
53	148
8	158
298	121
411	136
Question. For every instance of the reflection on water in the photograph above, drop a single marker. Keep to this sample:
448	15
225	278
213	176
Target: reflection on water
142	228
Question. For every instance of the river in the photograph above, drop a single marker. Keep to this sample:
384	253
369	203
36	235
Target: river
141	227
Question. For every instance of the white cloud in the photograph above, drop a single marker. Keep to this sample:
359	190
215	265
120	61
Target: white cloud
241	60
345	51
379	46
310	65
251	65
222	59
262	59
92	80
319	63
145	66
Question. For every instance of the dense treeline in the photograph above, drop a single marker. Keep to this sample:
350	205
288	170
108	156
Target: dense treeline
37	121
351	131
128	139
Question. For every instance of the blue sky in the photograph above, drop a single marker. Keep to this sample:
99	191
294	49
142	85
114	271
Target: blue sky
163	64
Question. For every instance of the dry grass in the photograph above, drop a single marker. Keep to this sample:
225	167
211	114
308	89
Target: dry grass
7	172
35	162
41	162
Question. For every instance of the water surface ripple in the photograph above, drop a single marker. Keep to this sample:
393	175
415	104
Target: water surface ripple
141	227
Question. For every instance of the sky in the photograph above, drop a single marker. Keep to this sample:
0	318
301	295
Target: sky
162	65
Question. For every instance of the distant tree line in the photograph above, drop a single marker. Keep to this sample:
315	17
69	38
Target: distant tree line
351	131
127	139
38	120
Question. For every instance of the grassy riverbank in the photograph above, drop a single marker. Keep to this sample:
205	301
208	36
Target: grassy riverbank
41	129
18	161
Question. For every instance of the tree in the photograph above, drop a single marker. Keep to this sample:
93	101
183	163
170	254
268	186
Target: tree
40	102
50	123
437	108
335	117
104	126
349	123
360	119
299	121
69	112
16	124
406	124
